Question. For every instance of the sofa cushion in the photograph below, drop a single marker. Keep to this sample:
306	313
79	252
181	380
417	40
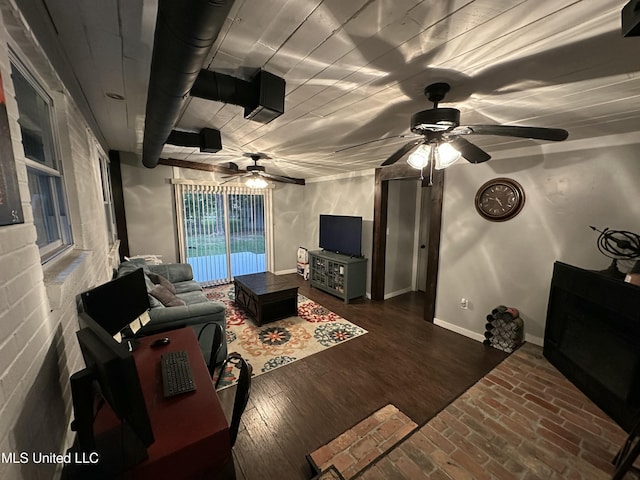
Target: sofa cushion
167	298
174	272
158	279
191	298
194	313
188	286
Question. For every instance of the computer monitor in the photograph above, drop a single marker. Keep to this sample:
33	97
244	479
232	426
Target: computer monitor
112	374
115	304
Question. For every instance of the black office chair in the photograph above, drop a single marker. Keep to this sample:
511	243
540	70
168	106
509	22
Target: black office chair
243	390
216	346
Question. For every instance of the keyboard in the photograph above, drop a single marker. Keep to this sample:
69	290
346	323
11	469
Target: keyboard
176	373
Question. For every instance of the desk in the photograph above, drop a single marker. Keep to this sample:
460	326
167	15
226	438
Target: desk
191	431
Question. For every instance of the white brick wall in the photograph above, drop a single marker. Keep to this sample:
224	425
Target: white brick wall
38	319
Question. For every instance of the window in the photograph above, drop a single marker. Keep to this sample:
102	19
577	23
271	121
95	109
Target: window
46	184
224	230
107	198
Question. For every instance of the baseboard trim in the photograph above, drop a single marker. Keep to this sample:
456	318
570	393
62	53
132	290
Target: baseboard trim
286	272
534	339
462	331
480	337
397	292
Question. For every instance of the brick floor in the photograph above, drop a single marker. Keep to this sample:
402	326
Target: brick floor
524	420
362	444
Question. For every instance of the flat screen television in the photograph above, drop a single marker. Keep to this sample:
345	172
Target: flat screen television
110	375
341	234
115	304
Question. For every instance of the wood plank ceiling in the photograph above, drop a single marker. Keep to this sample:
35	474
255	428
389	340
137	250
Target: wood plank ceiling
356	71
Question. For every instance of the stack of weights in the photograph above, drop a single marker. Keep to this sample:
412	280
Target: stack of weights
505	330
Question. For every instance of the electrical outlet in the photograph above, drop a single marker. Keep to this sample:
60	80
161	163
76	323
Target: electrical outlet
464	303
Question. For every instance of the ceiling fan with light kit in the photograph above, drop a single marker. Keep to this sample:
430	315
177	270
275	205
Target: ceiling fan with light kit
257	175
440	138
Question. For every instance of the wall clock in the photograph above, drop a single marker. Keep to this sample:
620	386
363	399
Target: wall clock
500	199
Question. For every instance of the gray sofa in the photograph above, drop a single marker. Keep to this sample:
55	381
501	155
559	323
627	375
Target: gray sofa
196	312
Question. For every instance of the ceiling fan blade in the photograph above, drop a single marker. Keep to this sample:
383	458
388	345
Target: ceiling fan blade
280	178
538	133
469	151
235	177
402	151
236	174
375	140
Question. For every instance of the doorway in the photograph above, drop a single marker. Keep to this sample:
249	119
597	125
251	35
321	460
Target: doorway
380	212
403	220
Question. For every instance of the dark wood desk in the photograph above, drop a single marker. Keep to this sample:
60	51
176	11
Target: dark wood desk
191	431
265	296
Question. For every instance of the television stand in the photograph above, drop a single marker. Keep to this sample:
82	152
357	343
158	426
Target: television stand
340	275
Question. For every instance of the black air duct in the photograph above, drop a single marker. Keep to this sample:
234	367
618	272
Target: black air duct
262	97
631	19
185	32
208	139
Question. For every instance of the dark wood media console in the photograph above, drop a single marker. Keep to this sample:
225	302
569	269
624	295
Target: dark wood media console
266	297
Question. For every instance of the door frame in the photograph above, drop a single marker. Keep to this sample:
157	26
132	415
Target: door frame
378	255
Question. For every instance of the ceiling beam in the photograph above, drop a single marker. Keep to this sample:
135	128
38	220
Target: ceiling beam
206	167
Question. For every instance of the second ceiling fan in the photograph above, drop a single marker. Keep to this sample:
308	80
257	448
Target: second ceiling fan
256	174
441	137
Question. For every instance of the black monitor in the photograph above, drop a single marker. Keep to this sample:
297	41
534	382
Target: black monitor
110	373
115	304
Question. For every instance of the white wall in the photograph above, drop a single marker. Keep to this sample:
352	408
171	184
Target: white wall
149	208
511	263
350	195
289	224
151	218
38	319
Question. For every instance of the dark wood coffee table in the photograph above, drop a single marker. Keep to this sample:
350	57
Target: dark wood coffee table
266	297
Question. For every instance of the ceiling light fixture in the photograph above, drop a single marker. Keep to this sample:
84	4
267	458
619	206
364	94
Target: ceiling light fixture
420	157
256	182
444	156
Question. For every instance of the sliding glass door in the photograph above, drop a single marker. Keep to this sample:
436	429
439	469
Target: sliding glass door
224	230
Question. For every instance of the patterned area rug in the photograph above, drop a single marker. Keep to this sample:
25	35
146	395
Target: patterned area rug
281	342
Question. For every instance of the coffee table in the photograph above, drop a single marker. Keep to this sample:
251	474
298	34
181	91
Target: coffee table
266	297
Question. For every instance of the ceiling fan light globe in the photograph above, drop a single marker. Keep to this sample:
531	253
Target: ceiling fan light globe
420	157
446	156
256	182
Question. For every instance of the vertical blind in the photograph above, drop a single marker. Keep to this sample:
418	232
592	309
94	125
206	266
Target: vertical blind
224	230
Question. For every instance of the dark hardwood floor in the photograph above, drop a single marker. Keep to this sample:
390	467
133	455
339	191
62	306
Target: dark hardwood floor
403	360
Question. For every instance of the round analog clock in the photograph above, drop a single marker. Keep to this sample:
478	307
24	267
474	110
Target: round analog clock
500	199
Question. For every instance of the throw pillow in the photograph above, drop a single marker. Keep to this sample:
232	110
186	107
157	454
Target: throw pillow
160	280
167	298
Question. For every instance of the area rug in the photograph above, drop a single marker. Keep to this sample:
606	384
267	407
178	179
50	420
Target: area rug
279	343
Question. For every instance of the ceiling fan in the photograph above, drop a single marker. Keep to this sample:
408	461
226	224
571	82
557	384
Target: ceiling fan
256	174
441	137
